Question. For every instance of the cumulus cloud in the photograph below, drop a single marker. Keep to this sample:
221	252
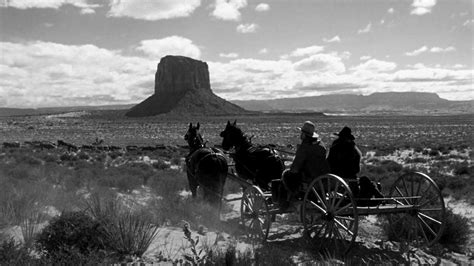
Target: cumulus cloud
468	22
333	39
374	65
247	28
417	51
365	57
41	74
442	50
152	10
435	49
228	9
173	45
391	10
311	50
54	4
262	7
422	7
263	51
321	62
367	29
229	55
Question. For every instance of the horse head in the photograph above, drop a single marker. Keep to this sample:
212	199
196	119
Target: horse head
231	136
193	137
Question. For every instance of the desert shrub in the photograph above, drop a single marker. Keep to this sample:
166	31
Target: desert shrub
125	178
70	255
417	160
128	231
456	233
161	165
12	253
67	156
464	169
83	155
71	231
391	166
168	183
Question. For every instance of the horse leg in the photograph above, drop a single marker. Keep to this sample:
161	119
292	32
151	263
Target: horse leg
193	184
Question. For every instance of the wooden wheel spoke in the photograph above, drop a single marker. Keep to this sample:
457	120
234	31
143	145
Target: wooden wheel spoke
347	218
427	226
430	218
403	196
318	207
249	206
423	232
343	227
319	198
343	197
405	187
425	192
428	200
343	208
321	186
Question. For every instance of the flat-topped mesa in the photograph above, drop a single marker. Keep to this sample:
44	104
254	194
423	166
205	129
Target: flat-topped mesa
180	74
182	86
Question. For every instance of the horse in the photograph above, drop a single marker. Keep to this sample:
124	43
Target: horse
205	167
261	164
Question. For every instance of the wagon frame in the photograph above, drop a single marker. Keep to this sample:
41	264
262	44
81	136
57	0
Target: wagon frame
330	215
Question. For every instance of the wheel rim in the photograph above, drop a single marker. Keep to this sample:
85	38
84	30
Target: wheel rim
424	225
329	214
255	214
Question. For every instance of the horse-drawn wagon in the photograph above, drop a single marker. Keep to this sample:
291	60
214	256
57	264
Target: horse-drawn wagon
329	211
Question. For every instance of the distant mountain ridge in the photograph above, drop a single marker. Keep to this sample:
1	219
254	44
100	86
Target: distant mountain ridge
376	103
406	103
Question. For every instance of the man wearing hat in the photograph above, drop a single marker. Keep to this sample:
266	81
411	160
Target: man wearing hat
309	162
344	158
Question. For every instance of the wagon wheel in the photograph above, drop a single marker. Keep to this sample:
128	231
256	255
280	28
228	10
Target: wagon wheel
329	214
424	225
255	214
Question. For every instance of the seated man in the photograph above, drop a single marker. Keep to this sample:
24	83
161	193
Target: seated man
309	163
344	158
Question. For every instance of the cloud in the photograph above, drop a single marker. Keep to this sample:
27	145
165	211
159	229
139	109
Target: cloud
367	29
41	74
262	7
54	4
247	28
229	55
468	22
333	39
228	9
422	7
311	50
322	63
173	45
263	51
417	51
391	10
435	49
365	57
442	50
152	10
374	65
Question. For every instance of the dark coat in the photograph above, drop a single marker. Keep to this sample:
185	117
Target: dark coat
344	158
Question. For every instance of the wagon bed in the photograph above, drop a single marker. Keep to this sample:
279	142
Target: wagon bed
329	212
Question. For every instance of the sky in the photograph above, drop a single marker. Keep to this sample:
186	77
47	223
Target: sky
106	52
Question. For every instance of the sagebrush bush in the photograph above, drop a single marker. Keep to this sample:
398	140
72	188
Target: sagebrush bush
12	253
71	231
456	232
127	230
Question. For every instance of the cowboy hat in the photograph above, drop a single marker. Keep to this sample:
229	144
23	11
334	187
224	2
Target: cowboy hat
346	132
308	129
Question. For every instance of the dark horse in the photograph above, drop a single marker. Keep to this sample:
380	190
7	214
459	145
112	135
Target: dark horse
205	167
261	164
